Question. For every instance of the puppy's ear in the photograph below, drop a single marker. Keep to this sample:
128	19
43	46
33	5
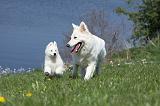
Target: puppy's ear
83	27
74	26
51	43
55	43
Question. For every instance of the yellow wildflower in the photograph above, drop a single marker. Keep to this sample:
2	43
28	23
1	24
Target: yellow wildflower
2	99
48	79
29	94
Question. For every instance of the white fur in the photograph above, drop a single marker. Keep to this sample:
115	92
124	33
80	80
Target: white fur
53	64
92	53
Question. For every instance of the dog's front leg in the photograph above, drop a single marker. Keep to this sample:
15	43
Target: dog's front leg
90	71
74	71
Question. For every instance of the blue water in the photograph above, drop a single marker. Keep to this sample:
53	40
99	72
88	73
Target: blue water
27	26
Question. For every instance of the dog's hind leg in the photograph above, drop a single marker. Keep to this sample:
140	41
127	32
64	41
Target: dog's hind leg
59	71
101	57
97	71
83	71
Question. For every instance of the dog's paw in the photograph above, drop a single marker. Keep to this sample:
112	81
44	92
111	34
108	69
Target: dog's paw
72	77
47	78
87	78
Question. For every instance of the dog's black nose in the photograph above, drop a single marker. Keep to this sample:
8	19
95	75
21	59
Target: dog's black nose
54	54
67	45
46	73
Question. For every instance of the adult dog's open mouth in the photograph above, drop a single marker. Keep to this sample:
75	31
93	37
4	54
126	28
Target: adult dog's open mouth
77	47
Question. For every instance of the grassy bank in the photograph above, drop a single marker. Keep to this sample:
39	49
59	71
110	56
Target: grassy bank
124	85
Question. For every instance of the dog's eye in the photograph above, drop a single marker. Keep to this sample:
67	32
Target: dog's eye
51	50
75	37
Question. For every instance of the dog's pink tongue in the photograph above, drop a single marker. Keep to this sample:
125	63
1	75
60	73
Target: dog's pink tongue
76	48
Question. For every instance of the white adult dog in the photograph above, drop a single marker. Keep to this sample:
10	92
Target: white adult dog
53	63
88	51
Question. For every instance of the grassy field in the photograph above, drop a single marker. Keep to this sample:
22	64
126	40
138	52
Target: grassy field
125	85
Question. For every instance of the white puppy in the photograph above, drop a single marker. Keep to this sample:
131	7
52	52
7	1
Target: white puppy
88	51
53	63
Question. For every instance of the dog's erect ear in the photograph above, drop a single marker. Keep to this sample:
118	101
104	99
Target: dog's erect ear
74	26
83	27
51	43
55	43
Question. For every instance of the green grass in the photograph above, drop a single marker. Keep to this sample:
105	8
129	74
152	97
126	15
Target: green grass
124	85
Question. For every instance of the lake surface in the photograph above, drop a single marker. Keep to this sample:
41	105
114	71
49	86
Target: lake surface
27	26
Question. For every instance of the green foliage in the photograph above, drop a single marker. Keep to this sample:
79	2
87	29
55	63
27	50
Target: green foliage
145	14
